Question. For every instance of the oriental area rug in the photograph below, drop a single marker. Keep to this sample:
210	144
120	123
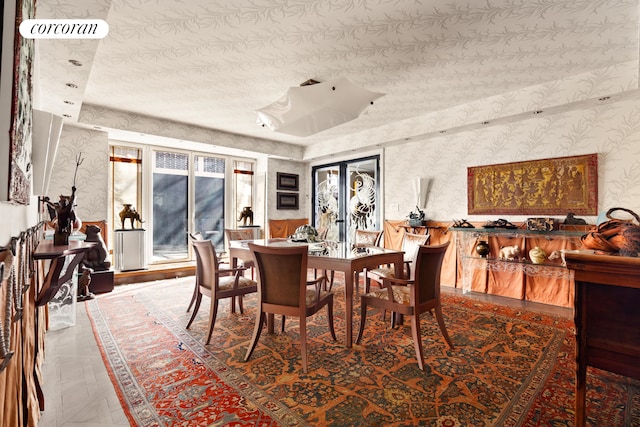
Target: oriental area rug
509	367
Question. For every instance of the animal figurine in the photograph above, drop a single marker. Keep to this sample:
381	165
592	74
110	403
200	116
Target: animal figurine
130	212
96	257
83	285
509	253
246	216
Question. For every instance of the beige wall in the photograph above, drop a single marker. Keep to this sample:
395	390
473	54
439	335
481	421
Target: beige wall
611	130
92	180
304	198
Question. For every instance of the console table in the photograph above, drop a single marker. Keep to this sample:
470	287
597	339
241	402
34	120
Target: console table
606	317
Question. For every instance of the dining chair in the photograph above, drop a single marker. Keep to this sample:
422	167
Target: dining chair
283	289
242	234
410	244
196	289
217	283
412	297
365	239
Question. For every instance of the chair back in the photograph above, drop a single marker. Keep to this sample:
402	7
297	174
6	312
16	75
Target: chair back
428	264
410	244
241	234
282	274
196	236
206	263
367	238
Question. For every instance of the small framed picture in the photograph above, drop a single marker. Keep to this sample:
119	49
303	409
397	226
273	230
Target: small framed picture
287	201
287	181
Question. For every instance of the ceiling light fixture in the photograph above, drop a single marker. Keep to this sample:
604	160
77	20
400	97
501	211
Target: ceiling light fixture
313	107
75	62
72	85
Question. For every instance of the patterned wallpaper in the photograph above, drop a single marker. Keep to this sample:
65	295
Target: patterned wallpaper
304	182
612	131
92	181
212	63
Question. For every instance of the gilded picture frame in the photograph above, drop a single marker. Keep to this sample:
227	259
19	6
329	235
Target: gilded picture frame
553	186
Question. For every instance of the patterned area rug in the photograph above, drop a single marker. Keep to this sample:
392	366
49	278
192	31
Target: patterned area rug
510	368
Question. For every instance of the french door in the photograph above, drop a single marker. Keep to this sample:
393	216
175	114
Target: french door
175	175
346	198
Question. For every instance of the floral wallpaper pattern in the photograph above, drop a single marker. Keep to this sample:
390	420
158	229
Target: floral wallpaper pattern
92	180
612	131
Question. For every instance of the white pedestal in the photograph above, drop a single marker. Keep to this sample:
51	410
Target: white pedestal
129	250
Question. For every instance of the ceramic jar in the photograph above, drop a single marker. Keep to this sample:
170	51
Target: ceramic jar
482	248
537	255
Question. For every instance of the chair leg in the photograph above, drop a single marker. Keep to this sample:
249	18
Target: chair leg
363	319
233	304
417	339
330	318
303	342
196	291
442	326
330	278
282	330
195	309
240	304
260	320
213	312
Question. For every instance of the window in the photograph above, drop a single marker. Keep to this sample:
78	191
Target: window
180	192
209	199
126	181
170	206
243	180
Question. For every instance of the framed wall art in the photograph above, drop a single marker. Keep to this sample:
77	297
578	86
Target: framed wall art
287	181
19	179
553	186
287	201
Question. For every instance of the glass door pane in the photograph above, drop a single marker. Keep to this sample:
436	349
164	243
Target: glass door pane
346	198
362	212
209	199
170	206
327	202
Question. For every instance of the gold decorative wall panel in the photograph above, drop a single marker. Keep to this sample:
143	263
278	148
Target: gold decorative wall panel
546	187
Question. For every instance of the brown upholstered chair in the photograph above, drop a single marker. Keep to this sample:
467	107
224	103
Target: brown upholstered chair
283	289
410	244
412	297
217	283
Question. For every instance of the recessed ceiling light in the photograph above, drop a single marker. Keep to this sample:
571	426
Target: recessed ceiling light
537	112
485	123
72	85
75	62
69	102
604	98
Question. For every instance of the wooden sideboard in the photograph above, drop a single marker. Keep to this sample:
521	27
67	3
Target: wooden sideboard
607	318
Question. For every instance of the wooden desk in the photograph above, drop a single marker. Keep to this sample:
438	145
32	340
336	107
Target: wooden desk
337	258
606	317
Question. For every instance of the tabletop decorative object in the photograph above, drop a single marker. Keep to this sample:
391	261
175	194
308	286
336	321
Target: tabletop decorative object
537	255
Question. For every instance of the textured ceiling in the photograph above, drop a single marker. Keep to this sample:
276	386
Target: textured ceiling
212	63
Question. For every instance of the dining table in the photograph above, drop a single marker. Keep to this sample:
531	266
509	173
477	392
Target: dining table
331	255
